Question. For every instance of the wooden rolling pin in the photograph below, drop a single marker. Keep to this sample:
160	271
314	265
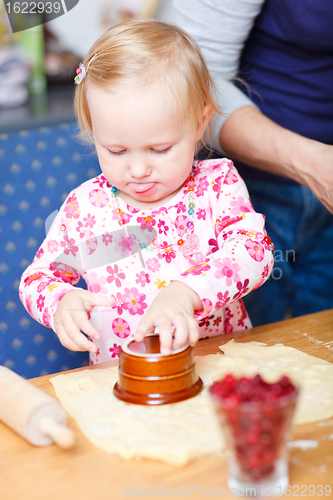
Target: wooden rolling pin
32	413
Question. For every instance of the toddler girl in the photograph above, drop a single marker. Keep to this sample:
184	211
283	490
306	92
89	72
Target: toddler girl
165	243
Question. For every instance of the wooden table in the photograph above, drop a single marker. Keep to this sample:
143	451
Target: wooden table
87	473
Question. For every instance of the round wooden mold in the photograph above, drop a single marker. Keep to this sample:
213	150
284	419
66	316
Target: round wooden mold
148	377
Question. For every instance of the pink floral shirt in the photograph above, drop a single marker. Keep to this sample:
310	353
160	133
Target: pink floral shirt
228	255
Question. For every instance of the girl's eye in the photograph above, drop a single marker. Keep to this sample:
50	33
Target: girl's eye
161	151
116	153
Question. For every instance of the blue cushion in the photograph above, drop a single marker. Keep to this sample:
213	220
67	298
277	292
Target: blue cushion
38	168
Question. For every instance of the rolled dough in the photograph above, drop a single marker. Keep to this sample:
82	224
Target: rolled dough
181	432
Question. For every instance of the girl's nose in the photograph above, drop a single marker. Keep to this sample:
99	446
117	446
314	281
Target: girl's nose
140	168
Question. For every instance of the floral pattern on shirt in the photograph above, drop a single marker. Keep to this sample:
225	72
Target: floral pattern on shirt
229	256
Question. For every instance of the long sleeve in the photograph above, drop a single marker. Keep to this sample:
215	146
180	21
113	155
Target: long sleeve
241	257
220	29
56	267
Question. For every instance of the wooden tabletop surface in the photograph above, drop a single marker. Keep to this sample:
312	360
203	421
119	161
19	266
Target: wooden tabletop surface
87	473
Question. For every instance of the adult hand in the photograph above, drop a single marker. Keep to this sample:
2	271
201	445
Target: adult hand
71	319
173	308
316	171
249	136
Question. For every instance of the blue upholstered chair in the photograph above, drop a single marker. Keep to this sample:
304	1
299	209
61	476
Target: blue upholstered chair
38	168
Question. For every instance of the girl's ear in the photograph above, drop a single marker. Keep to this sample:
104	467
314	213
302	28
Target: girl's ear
206	116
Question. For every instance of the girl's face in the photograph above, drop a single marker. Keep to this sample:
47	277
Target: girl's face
144	148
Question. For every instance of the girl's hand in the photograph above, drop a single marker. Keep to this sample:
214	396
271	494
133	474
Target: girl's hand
173	307
71	319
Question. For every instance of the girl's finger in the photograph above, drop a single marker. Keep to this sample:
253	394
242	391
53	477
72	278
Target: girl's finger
78	338
193	330
80	318
85	325
65	340
164	325
181	331
146	326
92	299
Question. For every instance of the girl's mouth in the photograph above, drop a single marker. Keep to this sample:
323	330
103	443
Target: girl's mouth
145	188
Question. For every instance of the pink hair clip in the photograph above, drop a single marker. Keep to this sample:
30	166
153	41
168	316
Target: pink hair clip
82	71
80	74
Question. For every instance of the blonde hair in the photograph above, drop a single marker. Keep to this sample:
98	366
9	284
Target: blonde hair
142	51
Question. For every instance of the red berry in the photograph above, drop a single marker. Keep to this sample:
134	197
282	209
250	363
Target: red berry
256	474
276	389
268	456
229	379
285	382
255	420
266	439
252	438
254	462
266	424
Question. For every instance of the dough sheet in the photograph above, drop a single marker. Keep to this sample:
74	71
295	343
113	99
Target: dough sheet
181	432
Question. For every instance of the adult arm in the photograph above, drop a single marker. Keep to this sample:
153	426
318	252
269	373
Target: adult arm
221	28
251	137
